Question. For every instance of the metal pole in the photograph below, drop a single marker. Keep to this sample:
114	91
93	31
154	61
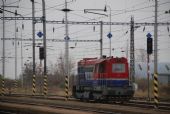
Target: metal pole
66	39
101	39
109	35
156	39
44	34
155	56
22	60
3	58
15	50
127	49
110	30
132	55
33	42
148	74
41	74
66	52
44	43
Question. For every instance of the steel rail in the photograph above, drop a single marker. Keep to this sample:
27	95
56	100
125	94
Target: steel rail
132	103
80	108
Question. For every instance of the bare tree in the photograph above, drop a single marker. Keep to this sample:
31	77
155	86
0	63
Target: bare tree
60	69
141	55
56	74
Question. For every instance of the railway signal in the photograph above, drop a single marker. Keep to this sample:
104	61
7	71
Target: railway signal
149	44
41	53
149	51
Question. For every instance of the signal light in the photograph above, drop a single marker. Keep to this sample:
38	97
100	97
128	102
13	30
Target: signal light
41	53
149	46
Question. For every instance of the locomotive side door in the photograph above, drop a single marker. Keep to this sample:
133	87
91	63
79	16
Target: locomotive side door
99	71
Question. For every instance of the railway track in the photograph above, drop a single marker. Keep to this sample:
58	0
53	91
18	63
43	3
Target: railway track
7	112
136	102
95	111
88	106
162	106
151	99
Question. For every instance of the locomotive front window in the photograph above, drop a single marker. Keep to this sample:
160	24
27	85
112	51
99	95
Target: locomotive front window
80	70
101	68
118	68
89	69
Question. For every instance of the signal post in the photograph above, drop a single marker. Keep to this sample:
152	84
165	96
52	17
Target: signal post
149	52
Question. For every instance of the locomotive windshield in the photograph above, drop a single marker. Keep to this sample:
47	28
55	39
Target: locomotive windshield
80	69
99	68
89	72
118	67
89	69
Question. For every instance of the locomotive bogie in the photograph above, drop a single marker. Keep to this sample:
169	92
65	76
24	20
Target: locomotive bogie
112	93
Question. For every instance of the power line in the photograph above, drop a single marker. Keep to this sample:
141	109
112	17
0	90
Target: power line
39	20
54	40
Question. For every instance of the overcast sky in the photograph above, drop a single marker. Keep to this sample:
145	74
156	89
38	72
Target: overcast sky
122	10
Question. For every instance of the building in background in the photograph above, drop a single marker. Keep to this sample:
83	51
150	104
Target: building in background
163	71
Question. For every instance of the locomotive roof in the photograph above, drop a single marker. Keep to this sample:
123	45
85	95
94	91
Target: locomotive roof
88	61
92	61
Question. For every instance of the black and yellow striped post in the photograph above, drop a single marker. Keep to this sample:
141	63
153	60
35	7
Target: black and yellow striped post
16	84
45	85
155	81
66	88
33	85
3	87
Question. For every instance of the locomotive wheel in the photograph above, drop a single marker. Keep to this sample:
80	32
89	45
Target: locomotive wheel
91	97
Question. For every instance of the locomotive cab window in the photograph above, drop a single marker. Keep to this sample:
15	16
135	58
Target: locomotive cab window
89	69
101	68
96	68
118	67
80	69
89	72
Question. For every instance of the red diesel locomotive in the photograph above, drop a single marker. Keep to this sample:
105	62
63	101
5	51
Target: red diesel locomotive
103	79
